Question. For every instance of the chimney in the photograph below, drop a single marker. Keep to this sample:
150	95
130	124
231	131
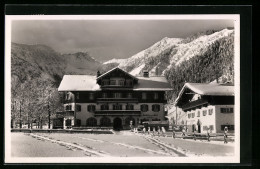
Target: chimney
145	73
98	73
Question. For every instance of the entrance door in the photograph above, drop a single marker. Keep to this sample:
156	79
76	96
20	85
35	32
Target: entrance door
117	124
199	128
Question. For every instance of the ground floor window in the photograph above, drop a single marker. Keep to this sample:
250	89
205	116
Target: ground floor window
105	121
91	121
68	122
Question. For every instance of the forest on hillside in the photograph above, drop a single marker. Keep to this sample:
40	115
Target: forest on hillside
217	63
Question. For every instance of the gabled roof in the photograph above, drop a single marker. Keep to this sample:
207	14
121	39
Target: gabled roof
211	89
116	68
78	83
156	83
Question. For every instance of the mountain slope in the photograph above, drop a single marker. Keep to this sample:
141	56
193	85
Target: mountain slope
36	72
170	52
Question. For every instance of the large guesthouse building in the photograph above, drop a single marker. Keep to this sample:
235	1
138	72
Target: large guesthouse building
207	106
112	99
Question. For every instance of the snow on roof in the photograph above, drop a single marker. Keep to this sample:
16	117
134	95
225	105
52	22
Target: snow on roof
213	89
78	83
88	83
152	83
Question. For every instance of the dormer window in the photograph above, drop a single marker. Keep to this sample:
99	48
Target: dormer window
129	83
155	96
104	95
117	95
144	96
91	96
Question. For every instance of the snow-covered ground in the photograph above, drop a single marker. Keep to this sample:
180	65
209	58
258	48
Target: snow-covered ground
120	144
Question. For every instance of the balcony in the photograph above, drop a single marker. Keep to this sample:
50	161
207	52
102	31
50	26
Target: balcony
117	112
194	104
64	114
117	100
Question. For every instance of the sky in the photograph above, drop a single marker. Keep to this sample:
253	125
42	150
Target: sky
104	39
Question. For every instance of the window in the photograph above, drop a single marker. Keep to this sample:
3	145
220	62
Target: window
117	95
189	115
193	115
91	96
155	96
144	107
91	108
117	107
104	95
210	111
156	107
67	96
211	127
68	122
198	114
105	82
144	96
129	107
226	110
230	127
121	82
205	128
112	82
129	95
204	112
129	82
68	107
77	95
104	107
78	107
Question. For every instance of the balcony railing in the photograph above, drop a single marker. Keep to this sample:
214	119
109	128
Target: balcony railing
194	104
64	114
122	100
117	112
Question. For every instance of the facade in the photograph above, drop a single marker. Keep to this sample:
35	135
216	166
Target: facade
207	106
112	99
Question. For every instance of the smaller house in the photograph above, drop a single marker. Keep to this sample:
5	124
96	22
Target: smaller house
207	106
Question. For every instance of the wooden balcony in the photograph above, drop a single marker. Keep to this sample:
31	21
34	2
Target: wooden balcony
117	100
194	104
117	112
64	114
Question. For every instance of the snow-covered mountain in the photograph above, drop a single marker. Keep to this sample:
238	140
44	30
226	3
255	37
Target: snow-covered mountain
114	61
170	52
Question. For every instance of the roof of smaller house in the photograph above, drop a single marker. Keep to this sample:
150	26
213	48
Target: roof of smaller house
78	83
213	89
155	83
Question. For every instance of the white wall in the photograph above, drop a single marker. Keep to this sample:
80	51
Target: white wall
224	118
206	120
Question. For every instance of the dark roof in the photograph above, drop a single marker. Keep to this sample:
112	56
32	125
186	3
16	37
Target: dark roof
116	68
210	89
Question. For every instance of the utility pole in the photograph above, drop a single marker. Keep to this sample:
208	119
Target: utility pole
28	117
176	116
20	115
49	117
